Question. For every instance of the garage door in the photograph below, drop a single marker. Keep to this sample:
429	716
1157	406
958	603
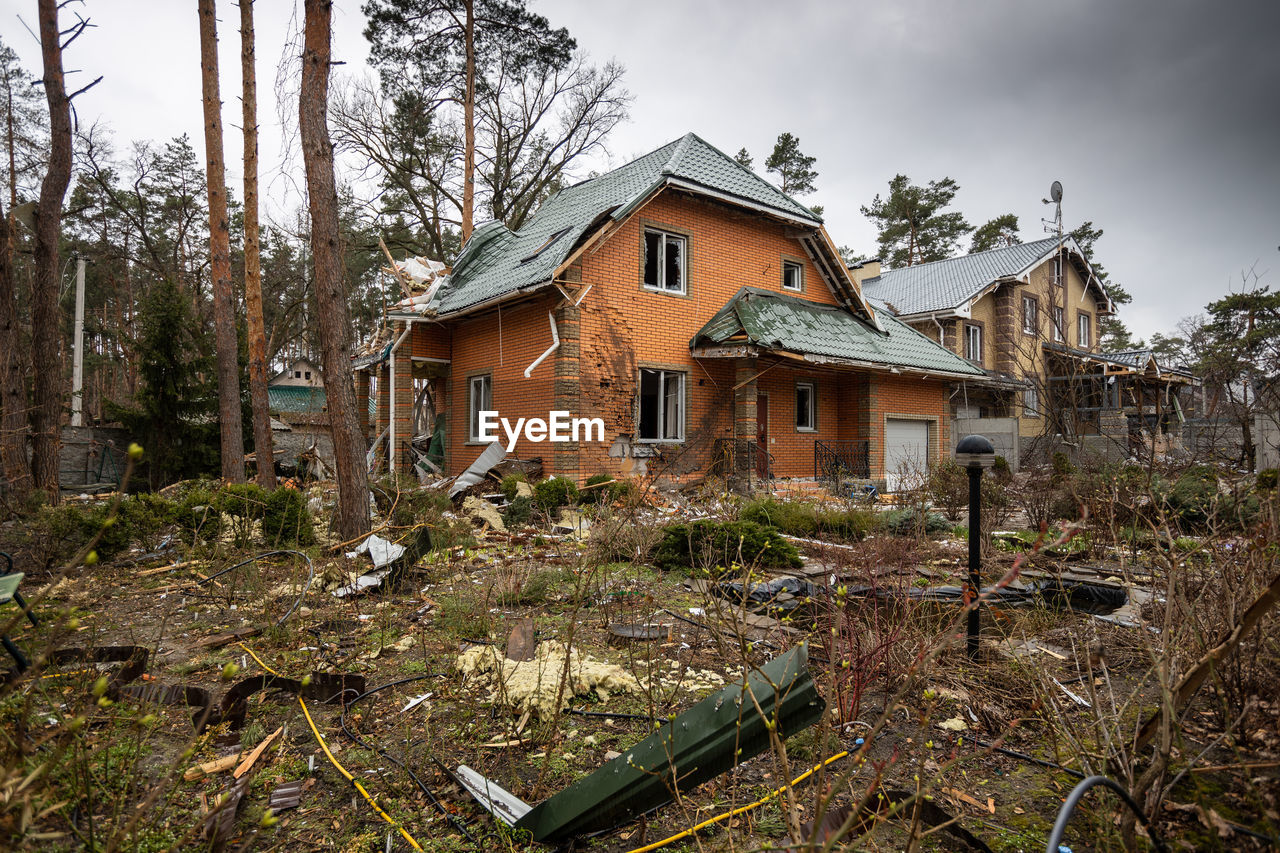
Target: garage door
906	452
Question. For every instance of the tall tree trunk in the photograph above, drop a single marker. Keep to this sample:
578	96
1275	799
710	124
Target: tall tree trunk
13	397
469	119
326	255
224	321
46	339
262	444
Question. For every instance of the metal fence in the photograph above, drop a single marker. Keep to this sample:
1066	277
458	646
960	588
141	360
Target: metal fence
836	461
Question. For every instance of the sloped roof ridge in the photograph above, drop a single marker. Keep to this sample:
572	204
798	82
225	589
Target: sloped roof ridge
974	254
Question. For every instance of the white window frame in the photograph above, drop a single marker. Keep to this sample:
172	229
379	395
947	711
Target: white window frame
799	276
1084	330
811	410
1058	317
970	331
664	377
663	238
1031	401
1030	302
479	398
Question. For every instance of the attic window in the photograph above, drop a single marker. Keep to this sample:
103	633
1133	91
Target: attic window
664	266
538	251
792	276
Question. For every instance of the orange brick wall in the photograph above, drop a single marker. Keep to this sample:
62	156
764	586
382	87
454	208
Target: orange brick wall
479	345
625	326
432	340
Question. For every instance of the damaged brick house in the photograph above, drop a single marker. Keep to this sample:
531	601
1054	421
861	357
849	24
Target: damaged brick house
705	316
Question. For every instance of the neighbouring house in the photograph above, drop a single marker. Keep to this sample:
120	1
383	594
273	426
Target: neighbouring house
705	317
1029	315
301	373
296	398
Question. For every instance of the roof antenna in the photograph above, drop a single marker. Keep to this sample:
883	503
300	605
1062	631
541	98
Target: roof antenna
1055	227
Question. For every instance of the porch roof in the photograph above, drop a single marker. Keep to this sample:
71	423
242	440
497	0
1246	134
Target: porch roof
1135	361
817	333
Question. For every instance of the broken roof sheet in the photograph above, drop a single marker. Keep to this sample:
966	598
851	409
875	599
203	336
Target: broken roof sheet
948	284
497	261
776	321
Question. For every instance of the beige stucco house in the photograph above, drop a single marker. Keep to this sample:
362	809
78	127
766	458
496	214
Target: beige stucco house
1029	316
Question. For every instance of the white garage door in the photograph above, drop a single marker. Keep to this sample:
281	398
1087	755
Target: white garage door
906	452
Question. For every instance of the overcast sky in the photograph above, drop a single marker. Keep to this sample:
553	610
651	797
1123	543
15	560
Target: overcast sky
1161	118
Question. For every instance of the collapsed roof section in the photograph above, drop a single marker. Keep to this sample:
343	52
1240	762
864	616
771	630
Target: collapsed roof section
497	263
756	320
951	285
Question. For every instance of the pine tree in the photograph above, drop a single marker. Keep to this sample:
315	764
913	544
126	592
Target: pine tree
743	158
792	165
995	234
914	225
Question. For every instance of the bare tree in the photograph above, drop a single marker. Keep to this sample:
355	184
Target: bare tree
46	340
262	443
224	323
326	252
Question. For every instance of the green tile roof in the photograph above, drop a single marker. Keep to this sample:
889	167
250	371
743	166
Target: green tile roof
497	261
775	321
295	398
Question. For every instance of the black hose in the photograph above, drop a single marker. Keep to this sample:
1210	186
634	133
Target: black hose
431	797
311	574
1022	756
1073	800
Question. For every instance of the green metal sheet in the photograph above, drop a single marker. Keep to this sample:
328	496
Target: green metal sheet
713	736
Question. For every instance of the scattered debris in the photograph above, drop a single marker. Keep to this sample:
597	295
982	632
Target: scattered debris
480	510
713	736
490	456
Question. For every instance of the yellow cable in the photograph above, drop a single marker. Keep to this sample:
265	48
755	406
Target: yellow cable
757	804
355	783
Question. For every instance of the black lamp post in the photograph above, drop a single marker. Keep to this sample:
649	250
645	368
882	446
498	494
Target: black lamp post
976	454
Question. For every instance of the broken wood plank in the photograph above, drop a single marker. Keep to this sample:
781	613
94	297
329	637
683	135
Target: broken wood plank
247	764
219	640
218	765
162	569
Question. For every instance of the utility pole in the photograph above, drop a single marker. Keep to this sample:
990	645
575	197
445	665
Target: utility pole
77	370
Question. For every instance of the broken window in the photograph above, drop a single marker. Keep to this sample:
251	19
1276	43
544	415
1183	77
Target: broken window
1031	402
806	406
1030	308
973	343
661	410
479	399
1084	331
792	276
1059	332
664	261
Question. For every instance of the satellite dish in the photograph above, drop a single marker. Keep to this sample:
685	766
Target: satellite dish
1055	192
